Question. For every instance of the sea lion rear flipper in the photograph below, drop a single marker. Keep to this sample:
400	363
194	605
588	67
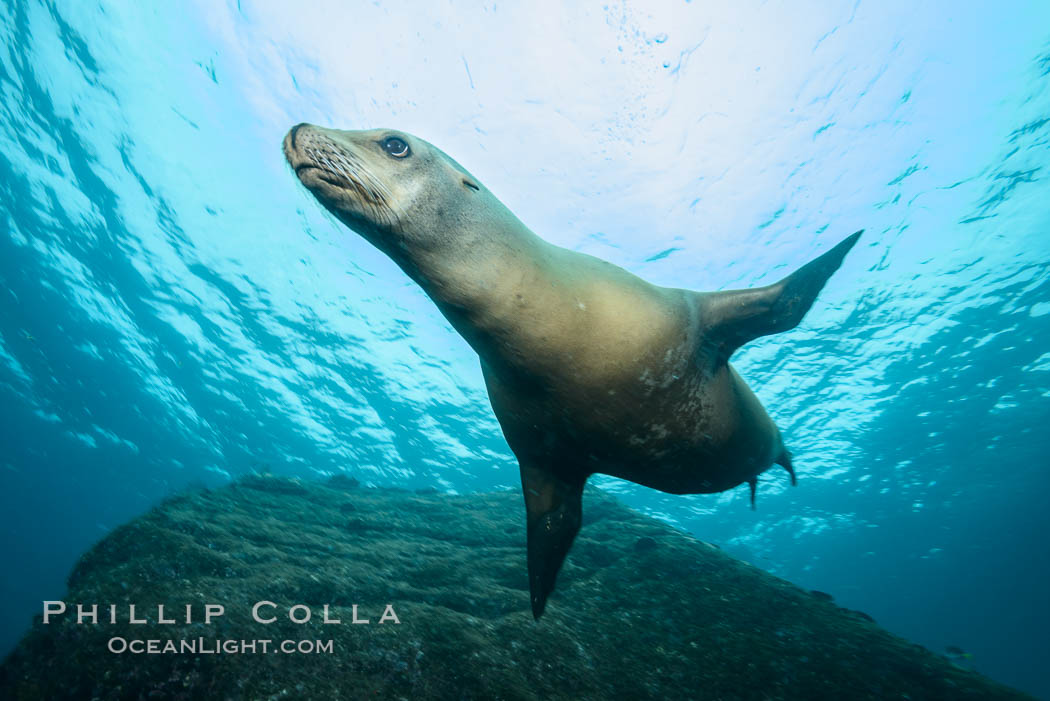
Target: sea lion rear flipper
553	515
734	317
784	460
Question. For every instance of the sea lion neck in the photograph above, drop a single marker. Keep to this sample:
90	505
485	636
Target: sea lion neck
472	270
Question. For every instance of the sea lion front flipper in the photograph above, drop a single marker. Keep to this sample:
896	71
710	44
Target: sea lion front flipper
553	515
734	317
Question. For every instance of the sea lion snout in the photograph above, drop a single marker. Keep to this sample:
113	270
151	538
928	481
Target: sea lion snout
294	131
345	172
302	134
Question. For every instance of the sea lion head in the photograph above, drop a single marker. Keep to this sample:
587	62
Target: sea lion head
388	186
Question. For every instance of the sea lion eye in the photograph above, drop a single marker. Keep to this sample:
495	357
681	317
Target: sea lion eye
396	147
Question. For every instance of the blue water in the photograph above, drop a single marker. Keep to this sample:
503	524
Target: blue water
176	310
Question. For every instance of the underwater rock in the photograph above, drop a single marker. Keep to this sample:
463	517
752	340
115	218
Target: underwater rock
641	610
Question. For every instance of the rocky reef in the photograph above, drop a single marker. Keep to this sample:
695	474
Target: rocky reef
641	611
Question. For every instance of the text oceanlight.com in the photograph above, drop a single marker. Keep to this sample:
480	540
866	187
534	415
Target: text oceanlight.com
204	646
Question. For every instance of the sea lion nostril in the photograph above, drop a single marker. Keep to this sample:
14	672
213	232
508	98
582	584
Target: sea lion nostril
295	130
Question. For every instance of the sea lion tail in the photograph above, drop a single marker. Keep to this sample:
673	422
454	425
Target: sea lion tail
554	511
734	317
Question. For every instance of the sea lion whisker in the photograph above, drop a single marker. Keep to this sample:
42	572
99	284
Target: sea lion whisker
351	173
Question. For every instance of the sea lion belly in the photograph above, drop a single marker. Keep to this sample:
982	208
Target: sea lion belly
669	419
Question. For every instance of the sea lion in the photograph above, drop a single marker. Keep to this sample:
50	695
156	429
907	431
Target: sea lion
589	368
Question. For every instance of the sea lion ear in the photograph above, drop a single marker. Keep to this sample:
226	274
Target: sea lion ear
467	182
733	317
